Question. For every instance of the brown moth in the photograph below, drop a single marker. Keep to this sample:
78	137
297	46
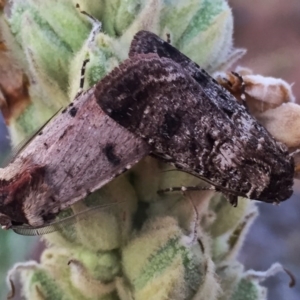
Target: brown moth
190	120
171	108
75	154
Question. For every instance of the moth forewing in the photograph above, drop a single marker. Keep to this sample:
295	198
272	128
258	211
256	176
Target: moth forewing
182	112
81	150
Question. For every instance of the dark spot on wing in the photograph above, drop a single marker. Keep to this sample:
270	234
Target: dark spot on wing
170	126
73	111
108	151
210	140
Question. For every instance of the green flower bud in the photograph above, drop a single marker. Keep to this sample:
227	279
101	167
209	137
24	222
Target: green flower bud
63	18
160	262
249	290
208	38
104	228
228	218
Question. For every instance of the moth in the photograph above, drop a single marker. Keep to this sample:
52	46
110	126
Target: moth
157	102
190	120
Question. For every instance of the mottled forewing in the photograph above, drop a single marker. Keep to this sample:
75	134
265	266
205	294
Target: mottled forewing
194	126
272	157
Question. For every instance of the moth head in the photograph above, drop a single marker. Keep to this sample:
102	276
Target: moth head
17	185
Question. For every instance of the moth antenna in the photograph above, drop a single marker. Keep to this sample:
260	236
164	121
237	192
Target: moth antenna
97	25
60	224
82	76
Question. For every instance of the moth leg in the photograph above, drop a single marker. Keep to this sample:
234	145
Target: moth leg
232	199
97	25
186	188
92	19
235	84
227	81
242	86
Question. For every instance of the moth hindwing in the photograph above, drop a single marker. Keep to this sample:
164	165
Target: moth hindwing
163	97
